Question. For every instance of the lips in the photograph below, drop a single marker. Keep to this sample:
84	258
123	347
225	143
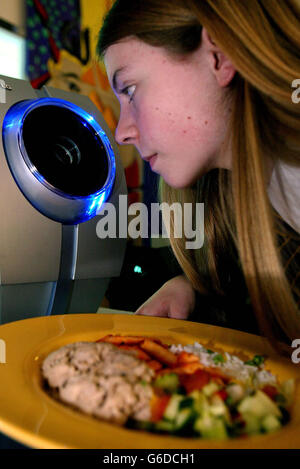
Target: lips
148	158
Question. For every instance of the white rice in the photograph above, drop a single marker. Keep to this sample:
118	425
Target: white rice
232	365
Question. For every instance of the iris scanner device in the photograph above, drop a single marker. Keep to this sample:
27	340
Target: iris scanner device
58	165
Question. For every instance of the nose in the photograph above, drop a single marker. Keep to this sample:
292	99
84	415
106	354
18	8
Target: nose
126	131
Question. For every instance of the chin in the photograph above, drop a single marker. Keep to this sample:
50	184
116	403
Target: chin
179	185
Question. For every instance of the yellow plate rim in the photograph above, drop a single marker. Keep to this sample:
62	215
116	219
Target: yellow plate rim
36	420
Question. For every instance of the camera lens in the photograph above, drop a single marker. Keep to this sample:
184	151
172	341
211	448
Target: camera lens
65	149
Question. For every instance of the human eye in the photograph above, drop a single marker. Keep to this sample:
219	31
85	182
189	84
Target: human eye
129	91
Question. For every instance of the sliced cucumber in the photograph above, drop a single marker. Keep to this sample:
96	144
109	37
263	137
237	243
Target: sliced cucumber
201	404
212	428
168	382
172	408
187	401
219	409
164	426
210	388
253	425
270	423
259	405
184	418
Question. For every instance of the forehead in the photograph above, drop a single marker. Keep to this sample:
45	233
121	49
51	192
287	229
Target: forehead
131	53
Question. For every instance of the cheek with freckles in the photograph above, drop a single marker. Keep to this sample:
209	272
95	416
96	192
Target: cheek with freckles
162	124
192	129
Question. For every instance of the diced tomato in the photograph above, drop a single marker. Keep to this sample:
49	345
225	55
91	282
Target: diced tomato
158	407
191	382
222	394
270	391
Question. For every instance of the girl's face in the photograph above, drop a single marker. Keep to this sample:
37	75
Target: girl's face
171	108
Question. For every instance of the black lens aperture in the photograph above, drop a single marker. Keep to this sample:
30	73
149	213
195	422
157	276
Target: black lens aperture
65	150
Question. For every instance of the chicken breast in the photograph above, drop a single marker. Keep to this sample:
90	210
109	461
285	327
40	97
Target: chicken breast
100	380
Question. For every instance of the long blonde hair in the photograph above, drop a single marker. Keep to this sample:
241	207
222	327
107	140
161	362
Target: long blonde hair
261	38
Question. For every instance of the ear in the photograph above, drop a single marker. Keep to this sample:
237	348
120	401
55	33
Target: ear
219	63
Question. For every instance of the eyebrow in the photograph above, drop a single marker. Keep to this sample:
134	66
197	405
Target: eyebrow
115	77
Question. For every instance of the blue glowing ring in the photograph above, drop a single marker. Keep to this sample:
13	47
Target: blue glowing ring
47	199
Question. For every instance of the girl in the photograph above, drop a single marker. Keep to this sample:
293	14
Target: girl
205	91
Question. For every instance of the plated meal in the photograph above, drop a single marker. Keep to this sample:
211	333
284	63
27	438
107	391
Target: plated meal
159	395
191	391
